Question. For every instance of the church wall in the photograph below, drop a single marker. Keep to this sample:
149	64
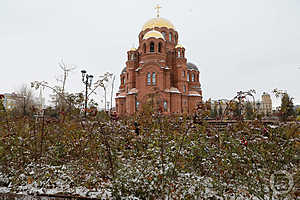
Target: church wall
121	106
175	103
193	101
185	104
131	104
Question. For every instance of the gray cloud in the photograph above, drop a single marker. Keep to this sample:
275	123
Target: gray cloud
239	45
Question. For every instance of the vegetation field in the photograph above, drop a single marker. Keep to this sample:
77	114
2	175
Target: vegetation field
148	156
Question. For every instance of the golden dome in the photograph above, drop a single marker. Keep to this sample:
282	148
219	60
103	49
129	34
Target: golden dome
132	49
179	46
153	33
158	22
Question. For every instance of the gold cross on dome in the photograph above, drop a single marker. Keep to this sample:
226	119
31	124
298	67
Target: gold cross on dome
157	10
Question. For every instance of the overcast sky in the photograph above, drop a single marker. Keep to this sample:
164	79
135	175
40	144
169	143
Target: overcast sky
237	44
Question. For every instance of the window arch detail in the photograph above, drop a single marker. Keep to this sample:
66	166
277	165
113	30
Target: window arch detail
132	56
159	47
153	78
170	36
148	78
152	47
165	106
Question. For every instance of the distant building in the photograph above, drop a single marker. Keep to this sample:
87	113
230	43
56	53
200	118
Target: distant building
9	101
218	103
264	106
266	103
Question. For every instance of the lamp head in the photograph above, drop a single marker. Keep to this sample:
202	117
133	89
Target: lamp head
83	72
91	79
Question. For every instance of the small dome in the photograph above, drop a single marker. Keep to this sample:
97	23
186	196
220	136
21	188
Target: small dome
153	33
179	46
158	22
192	66
132	49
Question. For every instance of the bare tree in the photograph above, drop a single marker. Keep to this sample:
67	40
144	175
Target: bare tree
66	70
59	98
112	92
25	99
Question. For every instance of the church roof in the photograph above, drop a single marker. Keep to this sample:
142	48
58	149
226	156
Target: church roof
173	90
153	33
158	22
121	95
192	66
133	91
194	93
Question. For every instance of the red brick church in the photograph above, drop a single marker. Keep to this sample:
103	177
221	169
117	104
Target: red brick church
157	72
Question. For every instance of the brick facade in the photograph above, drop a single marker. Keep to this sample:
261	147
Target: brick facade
157	72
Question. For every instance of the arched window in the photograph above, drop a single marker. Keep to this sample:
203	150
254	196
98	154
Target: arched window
137	105
159	47
170	36
184	89
178	53
164	34
188	76
148	78
153	78
152	47
165	106
183	74
132	56
144	47
193	77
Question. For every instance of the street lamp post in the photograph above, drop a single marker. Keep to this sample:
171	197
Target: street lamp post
87	80
107	103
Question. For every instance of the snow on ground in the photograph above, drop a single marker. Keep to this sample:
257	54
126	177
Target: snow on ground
62	186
